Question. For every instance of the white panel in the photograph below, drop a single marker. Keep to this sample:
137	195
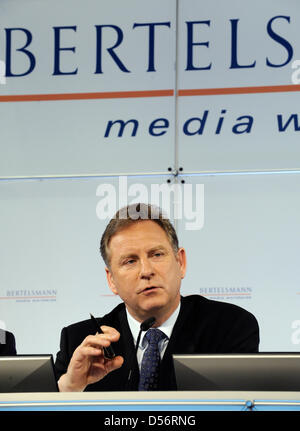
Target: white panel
78	47
248	251
258	26
52	273
67	137
211	135
239	132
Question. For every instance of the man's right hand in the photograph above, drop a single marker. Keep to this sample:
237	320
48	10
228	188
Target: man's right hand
88	364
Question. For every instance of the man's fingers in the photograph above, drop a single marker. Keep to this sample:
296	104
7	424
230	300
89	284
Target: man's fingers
90	351
112	333
114	364
93	345
88	363
100	340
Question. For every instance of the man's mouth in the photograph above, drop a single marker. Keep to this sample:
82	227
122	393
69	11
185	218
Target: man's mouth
149	289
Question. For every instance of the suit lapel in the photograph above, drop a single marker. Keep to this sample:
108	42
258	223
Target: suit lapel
126	349
181	341
183	337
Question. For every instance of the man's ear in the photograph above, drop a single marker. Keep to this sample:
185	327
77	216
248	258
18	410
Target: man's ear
181	259
110	281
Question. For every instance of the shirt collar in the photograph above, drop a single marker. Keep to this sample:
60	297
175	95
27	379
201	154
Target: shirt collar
166	327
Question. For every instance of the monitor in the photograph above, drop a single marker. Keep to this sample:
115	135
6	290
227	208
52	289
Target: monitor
238	372
27	373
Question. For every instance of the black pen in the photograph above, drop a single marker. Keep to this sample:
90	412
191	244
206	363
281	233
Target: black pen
108	351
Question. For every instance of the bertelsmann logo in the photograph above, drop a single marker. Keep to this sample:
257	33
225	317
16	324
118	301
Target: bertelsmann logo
227	292
30	295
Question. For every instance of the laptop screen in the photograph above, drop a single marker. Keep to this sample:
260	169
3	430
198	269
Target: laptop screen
27	373
238	372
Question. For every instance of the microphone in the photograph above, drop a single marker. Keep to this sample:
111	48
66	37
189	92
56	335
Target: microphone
145	325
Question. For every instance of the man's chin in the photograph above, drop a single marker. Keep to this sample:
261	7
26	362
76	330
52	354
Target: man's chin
155	308
156	305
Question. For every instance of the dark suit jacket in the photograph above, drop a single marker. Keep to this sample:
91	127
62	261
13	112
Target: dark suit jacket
203	326
8	348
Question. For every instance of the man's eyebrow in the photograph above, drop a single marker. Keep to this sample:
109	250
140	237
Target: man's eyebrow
135	255
126	256
157	247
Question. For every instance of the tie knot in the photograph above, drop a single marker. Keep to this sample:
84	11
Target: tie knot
154	336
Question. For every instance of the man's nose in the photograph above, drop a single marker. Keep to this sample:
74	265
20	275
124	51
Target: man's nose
146	269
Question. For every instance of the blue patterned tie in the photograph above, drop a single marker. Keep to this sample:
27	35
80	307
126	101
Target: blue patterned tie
151	359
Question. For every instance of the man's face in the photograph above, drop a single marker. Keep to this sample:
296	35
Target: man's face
145	272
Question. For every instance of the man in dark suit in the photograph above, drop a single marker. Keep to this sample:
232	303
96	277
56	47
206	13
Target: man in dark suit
145	266
7	343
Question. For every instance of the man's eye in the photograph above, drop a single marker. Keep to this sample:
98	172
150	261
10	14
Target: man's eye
129	261
158	254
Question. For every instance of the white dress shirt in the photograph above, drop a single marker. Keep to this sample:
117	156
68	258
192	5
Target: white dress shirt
166	327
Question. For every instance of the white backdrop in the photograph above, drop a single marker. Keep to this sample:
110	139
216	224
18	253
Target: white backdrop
202	86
